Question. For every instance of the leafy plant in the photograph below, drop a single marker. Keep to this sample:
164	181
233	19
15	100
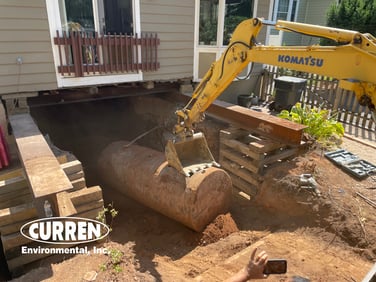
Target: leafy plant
325	129
109	210
114	262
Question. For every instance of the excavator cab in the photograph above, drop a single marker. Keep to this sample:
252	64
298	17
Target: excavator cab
189	155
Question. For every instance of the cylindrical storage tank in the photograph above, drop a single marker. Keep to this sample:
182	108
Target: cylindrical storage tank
144	175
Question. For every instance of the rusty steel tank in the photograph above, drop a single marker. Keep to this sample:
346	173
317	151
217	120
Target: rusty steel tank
144	175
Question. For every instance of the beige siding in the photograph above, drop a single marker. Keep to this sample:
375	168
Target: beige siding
173	20
312	12
263	12
24	32
317	11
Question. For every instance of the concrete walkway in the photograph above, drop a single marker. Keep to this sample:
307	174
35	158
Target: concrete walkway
367	136
360	142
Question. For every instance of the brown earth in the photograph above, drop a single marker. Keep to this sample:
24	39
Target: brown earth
325	236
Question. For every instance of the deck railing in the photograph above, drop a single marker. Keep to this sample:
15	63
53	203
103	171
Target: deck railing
86	53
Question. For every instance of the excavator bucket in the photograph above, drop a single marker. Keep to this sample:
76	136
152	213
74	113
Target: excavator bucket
190	155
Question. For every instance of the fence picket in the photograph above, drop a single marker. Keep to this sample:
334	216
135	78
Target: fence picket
322	90
82	54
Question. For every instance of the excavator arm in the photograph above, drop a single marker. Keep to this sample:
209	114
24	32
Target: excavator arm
352	63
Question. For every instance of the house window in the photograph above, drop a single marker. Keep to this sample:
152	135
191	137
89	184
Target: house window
114	16
293	11
215	23
118	16
283	10
208	22
219	18
77	15
236	11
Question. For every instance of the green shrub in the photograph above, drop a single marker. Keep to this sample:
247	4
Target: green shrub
322	127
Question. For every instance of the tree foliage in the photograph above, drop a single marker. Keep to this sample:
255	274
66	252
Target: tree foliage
358	15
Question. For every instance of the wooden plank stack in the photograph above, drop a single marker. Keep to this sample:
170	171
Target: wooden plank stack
42	170
246	155
17	208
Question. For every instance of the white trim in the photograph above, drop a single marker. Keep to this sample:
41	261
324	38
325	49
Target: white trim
297	9
136	16
137	26
220	24
195	43
53	13
275	10
271	5
289	10
98	80
255	8
97	23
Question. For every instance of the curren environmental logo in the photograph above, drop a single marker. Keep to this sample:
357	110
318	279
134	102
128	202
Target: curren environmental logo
64	230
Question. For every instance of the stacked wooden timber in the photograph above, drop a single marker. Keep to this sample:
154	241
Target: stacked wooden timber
43	177
14	188
245	155
17	208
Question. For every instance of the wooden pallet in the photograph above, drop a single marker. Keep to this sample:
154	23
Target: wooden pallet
246	156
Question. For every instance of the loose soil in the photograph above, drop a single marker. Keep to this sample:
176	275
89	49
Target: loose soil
325	235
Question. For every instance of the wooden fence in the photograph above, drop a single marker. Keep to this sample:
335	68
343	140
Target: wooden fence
83	53
321	91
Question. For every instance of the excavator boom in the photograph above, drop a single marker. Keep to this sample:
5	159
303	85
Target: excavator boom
352	63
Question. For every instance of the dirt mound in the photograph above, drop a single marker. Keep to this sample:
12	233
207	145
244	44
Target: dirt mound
220	228
335	206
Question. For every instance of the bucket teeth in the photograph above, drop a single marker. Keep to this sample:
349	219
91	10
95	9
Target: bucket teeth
190	155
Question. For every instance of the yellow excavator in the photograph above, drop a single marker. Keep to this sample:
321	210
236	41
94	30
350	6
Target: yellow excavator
352	62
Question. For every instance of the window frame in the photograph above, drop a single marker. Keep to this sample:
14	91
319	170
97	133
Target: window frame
54	19
274	6
217	49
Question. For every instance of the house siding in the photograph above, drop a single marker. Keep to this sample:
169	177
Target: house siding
173	21
317	10
24	33
316	13
311	12
263	11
